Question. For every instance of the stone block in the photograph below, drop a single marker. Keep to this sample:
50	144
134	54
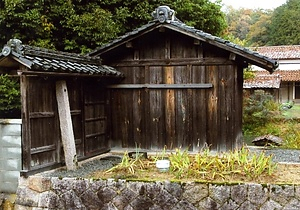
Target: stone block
106	194
194	192
292	204
165	200
239	193
270	204
90	200
142	202
60	186
282	193
70	200
39	183
80	186
184	205
174	188
229	204
207	203
257	194
49	200
27	197
219	193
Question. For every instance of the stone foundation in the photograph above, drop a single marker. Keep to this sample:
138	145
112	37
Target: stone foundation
38	192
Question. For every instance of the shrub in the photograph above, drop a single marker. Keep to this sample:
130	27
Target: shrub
9	95
259	109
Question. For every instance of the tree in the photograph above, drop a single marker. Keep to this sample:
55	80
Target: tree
284	28
239	22
250	26
259	31
82	25
10	102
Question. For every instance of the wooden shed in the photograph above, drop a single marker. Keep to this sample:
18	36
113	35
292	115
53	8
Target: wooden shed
182	88
40	70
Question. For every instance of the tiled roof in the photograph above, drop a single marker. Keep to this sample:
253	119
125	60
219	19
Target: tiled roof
289	76
280	52
176	25
40	59
264	80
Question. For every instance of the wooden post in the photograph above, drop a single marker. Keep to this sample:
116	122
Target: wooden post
66	127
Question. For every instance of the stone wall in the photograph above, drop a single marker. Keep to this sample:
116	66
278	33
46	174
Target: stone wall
10	154
38	192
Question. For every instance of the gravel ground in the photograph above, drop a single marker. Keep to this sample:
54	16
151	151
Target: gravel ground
86	168
279	155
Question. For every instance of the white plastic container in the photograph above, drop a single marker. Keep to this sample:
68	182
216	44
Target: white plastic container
163	165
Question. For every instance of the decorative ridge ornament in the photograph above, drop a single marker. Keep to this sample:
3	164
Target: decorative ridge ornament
164	14
12	44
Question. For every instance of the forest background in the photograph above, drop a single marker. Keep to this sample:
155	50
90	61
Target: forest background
80	26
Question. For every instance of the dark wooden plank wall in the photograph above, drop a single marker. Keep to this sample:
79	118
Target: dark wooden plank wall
188	117
41	141
44	135
95	119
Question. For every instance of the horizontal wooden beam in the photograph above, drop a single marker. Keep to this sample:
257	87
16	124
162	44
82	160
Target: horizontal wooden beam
94	103
94	135
75	112
161	86
95	119
41	114
47	148
175	62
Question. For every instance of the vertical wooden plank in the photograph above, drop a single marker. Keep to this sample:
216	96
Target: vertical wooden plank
224	117
212	109
170	108
66	127
238	105
156	113
26	139
138	106
182	76
199	117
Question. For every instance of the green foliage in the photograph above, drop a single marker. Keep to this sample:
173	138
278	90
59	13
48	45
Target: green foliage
258	109
248	74
9	94
202	14
291	134
80	25
284	28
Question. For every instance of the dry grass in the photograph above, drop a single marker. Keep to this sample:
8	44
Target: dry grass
235	167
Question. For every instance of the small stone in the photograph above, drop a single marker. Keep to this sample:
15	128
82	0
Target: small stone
267	140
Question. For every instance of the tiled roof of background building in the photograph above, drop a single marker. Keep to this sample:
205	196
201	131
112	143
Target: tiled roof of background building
280	52
264	80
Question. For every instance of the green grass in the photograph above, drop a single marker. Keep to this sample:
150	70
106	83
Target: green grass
292	113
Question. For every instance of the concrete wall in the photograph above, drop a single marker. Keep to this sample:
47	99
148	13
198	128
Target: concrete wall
37	192
10	154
